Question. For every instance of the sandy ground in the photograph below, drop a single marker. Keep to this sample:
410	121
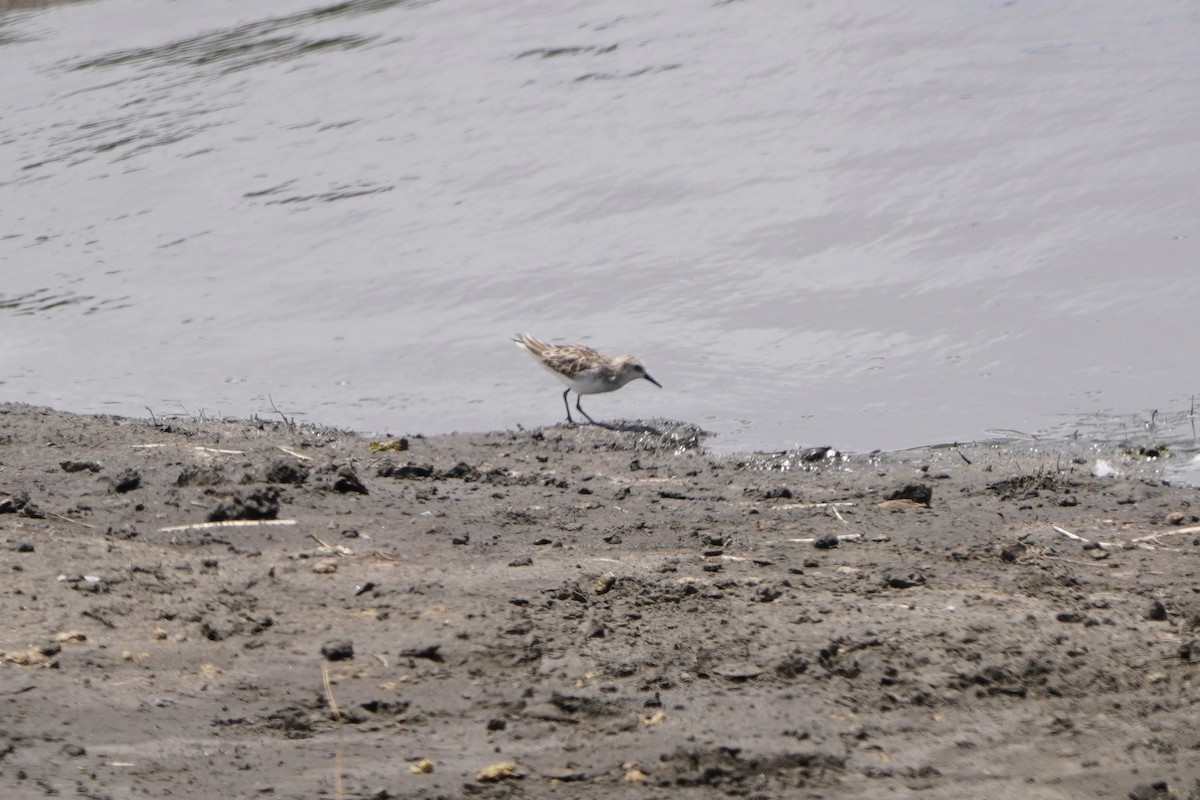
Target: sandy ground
585	613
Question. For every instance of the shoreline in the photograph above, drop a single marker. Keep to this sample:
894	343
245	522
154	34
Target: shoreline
500	613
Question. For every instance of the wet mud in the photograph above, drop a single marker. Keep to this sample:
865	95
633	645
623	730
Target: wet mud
252	609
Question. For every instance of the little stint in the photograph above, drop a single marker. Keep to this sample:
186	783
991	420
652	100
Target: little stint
584	369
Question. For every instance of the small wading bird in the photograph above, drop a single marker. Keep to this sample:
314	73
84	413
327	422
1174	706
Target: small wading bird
583	369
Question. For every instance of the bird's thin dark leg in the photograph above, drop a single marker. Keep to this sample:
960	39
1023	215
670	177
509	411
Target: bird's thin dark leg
579	397
568	407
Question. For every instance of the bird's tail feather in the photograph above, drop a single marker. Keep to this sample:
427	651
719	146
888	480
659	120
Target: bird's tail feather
529	343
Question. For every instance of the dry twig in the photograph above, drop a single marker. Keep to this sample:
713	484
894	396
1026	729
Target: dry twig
1101	545
229	523
842	537
1176	532
337	549
68	519
300	456
289	425
340	761
790	506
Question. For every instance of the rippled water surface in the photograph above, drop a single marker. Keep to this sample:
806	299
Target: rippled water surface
869	224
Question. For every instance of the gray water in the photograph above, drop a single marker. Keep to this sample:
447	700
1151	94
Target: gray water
874	224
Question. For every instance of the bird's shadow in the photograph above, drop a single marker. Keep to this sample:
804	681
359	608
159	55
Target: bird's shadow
629	427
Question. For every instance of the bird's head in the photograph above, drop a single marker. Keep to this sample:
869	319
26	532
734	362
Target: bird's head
630	369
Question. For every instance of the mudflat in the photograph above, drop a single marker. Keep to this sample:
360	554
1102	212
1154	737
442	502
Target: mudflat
250	608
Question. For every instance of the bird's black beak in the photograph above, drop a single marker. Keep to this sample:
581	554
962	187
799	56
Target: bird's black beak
656	383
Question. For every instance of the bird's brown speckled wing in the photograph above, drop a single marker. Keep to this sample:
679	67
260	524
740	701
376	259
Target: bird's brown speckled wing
568	361
572	359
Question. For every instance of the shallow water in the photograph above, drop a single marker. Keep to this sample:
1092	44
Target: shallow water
873	225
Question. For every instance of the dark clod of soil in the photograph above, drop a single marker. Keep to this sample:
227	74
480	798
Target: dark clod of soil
262	503
1159	790
812	455
1157	611
773	493
388	469
200	475
462	471
767	594
827	542
1011	553
71	465
20	504
432	652
791	666
904	581
283	471
347	481
126	481
338	650
915	492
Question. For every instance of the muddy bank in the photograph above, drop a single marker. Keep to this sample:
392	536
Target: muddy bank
586	613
